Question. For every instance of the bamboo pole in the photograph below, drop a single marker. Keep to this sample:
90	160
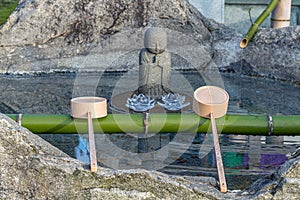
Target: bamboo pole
281	15
164	123
257	23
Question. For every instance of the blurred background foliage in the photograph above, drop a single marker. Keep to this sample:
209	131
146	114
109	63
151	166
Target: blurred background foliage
6	8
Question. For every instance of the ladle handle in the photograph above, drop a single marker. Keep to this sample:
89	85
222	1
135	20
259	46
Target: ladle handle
93	158
218	155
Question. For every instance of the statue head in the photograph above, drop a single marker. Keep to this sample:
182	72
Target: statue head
155	40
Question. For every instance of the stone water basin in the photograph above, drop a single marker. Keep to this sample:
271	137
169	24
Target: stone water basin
245	157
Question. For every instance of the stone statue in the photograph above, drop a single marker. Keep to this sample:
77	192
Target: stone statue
154	64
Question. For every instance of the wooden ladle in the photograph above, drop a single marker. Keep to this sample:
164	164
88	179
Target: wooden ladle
212	102
89	108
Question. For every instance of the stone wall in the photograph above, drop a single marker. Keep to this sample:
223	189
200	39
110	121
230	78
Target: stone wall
212	9
235	13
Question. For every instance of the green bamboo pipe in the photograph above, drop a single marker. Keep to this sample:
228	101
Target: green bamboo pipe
258	22
163	123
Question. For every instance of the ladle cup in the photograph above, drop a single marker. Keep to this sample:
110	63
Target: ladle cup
212	102
89	108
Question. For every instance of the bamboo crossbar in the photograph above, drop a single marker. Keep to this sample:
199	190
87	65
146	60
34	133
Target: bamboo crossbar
163	123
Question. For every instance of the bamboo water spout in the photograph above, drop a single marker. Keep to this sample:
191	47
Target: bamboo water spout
244	42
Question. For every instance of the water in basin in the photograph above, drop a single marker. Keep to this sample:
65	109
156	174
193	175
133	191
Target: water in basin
245	157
